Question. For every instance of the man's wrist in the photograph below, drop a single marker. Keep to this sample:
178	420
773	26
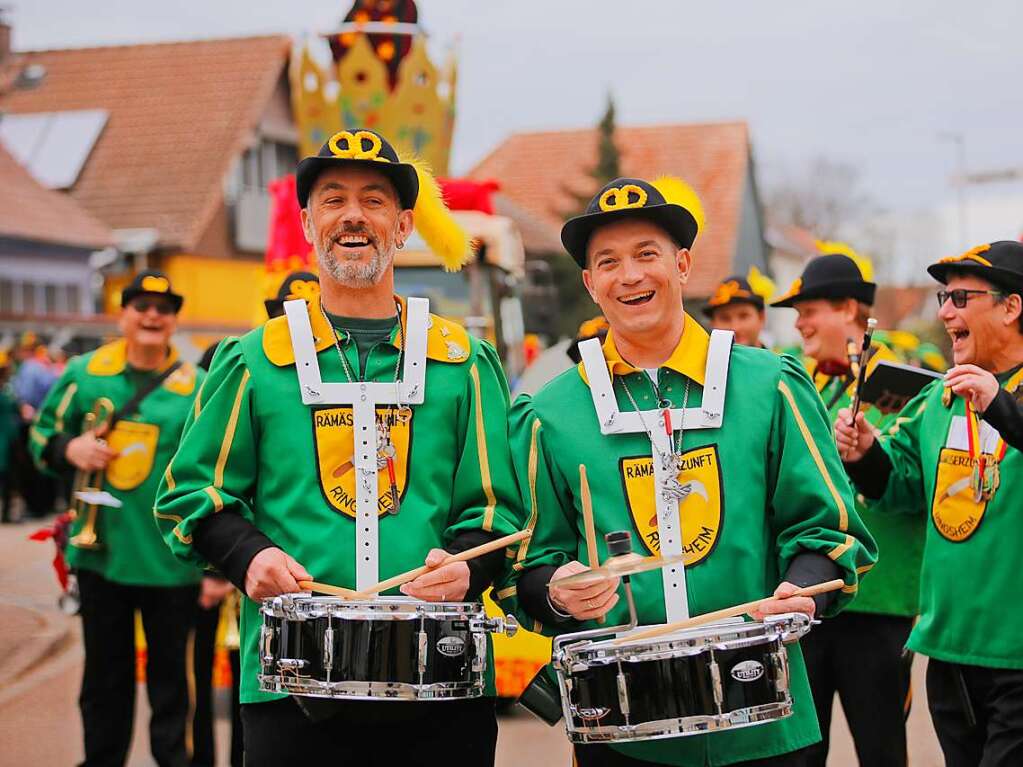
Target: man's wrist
556	608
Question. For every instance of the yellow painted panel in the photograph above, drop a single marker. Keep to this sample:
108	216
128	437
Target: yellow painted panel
217	289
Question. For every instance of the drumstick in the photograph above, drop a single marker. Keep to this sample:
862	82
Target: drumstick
326	588
588	528
727	612
462	556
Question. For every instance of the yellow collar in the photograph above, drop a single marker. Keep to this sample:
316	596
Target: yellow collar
111	359
446	341
689	357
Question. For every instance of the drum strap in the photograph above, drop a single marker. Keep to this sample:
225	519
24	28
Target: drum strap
363	397
708	415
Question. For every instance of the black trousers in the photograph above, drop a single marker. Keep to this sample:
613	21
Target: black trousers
599	755
372	734
203	652
861	657
107	699
977	714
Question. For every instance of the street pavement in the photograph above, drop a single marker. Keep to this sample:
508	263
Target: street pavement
41	666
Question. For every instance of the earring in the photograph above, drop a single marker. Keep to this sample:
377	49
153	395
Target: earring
400	244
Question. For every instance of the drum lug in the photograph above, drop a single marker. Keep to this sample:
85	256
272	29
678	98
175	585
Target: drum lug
623	694
423	639
781	667
479	663
266	638
291	664
328	649
715	676
506	625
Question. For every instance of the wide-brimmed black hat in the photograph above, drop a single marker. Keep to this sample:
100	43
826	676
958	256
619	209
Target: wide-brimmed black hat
733	290
304	285
361	146
627	198
152	282
834	275
1000	263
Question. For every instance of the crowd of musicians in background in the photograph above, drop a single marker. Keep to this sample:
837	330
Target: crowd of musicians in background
948	461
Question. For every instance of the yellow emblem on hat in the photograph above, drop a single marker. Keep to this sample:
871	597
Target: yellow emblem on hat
617	198
152	284
309	290
973	254
725	292
349	146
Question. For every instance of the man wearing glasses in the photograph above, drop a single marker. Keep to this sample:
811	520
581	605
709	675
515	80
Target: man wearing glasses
954	454
140	394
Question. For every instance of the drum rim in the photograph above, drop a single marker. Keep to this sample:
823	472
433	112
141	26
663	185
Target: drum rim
381	608
357	690
676	727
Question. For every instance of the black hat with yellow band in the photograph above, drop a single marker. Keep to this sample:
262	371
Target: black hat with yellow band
839	273
754	289
667	202
1000	263
151	282
304	285
359	146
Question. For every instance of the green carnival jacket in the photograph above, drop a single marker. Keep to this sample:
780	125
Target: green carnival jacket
252	448
969	582
894	584
133	551
774	484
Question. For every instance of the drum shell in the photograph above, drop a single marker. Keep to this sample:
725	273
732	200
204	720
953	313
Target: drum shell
733	677
436	652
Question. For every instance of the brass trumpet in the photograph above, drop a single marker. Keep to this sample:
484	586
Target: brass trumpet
90	481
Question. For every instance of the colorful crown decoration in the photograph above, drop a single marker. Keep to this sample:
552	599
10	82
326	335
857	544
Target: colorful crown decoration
416	114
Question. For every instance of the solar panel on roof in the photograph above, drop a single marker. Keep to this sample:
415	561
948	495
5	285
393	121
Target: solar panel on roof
53	146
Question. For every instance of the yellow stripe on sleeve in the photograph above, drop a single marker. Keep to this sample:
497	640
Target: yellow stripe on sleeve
218	502
534	458
841	548
232	424
65	403
481	445
843	514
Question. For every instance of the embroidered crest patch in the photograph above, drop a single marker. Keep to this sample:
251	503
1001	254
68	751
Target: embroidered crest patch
335	452
700	510
135	445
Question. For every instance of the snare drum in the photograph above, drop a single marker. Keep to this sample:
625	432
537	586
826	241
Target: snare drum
389	648
725	675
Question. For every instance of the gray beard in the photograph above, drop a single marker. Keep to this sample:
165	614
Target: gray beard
353	274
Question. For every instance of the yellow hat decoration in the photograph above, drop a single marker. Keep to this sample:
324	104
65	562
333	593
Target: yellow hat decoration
862	262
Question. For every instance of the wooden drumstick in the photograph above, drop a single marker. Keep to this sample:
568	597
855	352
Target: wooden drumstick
462	556
588	526
326	588
727	612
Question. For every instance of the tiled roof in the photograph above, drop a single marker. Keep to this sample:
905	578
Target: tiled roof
29	211
540	171
179	114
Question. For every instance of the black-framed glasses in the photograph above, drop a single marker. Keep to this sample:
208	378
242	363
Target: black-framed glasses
960	296
143	305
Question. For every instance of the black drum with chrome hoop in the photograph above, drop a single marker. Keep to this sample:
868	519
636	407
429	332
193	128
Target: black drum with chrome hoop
388	648
725	675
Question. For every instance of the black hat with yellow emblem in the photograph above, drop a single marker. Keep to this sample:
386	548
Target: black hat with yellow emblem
305	285
1000	263
754	289
151	282
667	202
360	146
839	273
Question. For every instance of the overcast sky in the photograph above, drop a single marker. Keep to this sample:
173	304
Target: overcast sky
873	83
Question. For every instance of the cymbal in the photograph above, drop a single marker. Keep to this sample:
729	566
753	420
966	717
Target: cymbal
616	567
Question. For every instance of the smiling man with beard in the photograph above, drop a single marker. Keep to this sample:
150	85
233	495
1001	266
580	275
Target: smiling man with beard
768	507
955	456
264	485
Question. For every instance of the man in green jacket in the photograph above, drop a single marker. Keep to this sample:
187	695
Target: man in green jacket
953	455
138	383
860	654
265	483
766	508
